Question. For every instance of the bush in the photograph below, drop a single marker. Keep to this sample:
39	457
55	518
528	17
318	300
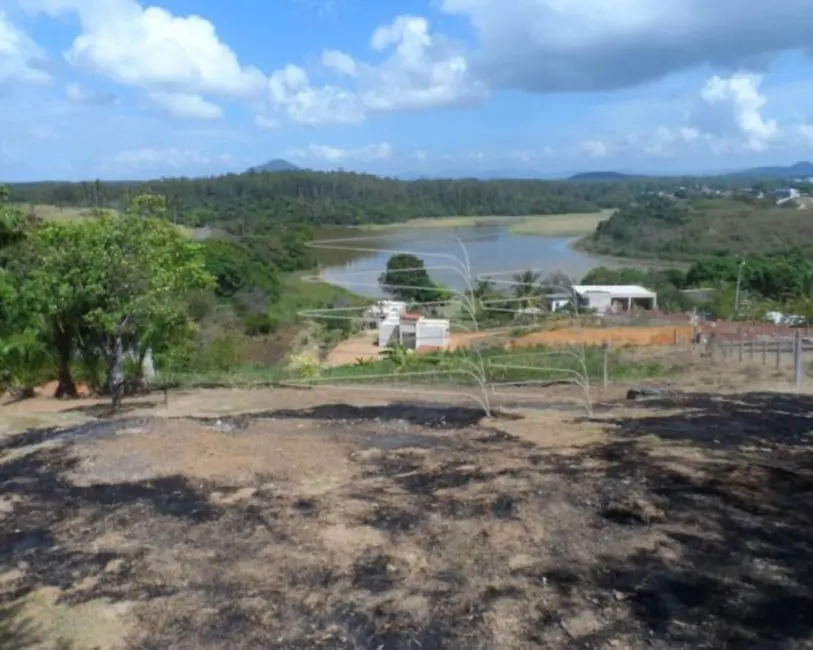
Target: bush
260	324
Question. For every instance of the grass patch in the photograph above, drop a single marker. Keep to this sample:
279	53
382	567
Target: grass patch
447	223
561	225
543	225
298	294
56	213
453	368
496	364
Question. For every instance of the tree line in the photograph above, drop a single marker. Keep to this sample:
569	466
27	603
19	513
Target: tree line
257	202
687	229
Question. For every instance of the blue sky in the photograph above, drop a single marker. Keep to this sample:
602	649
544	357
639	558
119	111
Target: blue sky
122	89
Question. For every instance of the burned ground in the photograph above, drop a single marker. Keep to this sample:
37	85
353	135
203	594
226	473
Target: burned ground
674	523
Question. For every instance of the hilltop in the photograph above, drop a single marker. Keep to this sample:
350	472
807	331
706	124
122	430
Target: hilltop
276	165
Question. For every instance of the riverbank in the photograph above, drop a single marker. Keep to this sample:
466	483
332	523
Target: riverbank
542	225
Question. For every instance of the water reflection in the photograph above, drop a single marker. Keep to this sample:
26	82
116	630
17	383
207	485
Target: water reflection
486	250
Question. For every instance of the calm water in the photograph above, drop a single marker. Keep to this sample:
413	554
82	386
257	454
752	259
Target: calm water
450	255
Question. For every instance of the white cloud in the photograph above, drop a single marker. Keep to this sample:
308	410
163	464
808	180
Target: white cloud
806	131
422	70
593	148
267	123
291	92
152	49
84	97
380	151
19	55
172	158
339	62
562	45
733	106
187	106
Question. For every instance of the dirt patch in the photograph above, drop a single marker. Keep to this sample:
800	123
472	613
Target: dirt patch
317	524
617	336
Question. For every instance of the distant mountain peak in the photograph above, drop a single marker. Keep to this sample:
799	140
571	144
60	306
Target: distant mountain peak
276	165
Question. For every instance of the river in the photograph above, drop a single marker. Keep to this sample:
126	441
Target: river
354	258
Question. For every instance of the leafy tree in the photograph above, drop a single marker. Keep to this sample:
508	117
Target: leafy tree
406	278
107	284
526	288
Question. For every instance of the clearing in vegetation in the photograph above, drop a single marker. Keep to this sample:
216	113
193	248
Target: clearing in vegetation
544	225
350	519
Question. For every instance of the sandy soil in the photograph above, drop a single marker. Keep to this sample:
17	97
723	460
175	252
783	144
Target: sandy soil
364	346
284	519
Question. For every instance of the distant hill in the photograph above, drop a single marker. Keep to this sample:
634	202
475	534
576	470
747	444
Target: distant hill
276	165
602	176
801	169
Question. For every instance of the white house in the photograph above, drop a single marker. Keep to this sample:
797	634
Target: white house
615	298
382	310
414	332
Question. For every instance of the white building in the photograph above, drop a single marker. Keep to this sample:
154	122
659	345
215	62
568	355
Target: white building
615	298
414	332
382	310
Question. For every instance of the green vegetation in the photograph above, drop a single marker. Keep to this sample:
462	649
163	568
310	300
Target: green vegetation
83	291
451	368
664	228
257	203
407	279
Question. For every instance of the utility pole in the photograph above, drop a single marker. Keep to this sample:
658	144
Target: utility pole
737	292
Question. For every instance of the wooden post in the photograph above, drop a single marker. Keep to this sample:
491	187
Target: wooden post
606	353
740	343
778	352
798	365
764	351
751	349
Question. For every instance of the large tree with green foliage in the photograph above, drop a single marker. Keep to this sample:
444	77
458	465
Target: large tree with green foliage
108	283
406	278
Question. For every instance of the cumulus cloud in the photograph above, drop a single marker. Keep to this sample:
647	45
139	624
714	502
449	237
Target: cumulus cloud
186	106
556	45
20	56
373	152
421	70
150	48
734	106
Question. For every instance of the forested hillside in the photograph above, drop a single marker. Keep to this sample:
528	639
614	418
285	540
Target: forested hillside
259	201
675	229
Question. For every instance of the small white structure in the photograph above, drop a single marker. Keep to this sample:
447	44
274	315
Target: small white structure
615	298
416	332
559	300
432	333
382	310
388	330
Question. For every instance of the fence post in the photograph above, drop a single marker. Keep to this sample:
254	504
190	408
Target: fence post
798	366
778	342
764	351
740	342
605	354
751	349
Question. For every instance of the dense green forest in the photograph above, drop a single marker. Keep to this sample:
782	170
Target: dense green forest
659	227
259	202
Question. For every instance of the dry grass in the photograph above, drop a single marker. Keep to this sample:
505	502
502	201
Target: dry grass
561	225
545	225
349	519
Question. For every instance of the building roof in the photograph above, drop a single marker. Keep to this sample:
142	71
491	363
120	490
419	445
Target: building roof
620	290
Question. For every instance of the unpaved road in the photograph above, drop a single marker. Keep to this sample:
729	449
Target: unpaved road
286	519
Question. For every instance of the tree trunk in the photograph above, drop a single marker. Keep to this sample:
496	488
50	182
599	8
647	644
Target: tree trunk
63	342
117	372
